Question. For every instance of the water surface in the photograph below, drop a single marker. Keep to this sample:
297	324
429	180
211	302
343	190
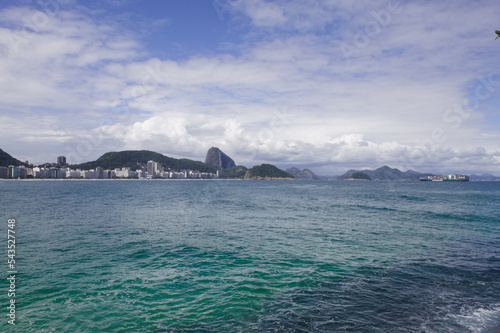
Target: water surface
254	256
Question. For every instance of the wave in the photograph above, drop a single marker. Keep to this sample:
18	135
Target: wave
412	198
367	207
480	320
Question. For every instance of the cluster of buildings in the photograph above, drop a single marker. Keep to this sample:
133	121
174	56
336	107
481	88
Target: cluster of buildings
154	170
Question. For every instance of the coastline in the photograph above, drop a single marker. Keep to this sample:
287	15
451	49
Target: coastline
145	179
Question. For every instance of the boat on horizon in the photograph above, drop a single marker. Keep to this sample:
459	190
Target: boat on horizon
444	178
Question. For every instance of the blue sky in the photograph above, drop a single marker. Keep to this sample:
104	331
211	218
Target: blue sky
326	85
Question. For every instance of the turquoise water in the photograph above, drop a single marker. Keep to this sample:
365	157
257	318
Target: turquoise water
253	256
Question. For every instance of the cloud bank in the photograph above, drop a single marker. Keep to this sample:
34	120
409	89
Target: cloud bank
328	85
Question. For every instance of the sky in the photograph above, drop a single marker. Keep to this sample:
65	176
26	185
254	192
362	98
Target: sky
326	85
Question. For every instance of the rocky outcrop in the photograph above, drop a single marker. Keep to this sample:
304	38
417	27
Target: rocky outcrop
216	158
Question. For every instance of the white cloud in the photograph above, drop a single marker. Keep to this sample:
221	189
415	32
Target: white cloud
264	13
57	60
383	104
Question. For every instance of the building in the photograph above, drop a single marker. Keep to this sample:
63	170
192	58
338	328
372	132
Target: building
125	173
41	172
36	172
54	173
12	171
88	174
178	175
61	160
4	172
22	172
63	172
73	173
99	172
153	169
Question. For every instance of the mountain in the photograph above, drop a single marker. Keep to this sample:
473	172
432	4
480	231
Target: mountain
6	160
266	171
238	171
302	174
484	177
358	176
135	159
387	173
216	158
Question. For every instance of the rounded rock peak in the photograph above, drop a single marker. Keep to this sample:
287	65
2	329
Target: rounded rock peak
216	158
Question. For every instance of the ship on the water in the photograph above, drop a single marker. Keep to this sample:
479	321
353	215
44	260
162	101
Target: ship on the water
445	178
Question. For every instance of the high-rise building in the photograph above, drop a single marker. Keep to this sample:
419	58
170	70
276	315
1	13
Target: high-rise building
12	171
152	169
61	160
99	172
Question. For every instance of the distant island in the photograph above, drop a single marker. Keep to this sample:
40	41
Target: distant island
267	171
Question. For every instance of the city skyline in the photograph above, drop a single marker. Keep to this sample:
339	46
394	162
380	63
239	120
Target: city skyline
325	85
151	170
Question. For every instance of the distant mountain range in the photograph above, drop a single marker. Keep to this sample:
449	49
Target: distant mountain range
305	174
484	177
386	173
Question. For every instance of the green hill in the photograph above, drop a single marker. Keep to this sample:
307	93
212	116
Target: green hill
235	172
135	159
266	171
6	160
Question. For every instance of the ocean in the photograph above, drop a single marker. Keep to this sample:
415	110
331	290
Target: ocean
252	256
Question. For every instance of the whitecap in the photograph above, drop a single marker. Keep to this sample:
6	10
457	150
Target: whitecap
482	320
